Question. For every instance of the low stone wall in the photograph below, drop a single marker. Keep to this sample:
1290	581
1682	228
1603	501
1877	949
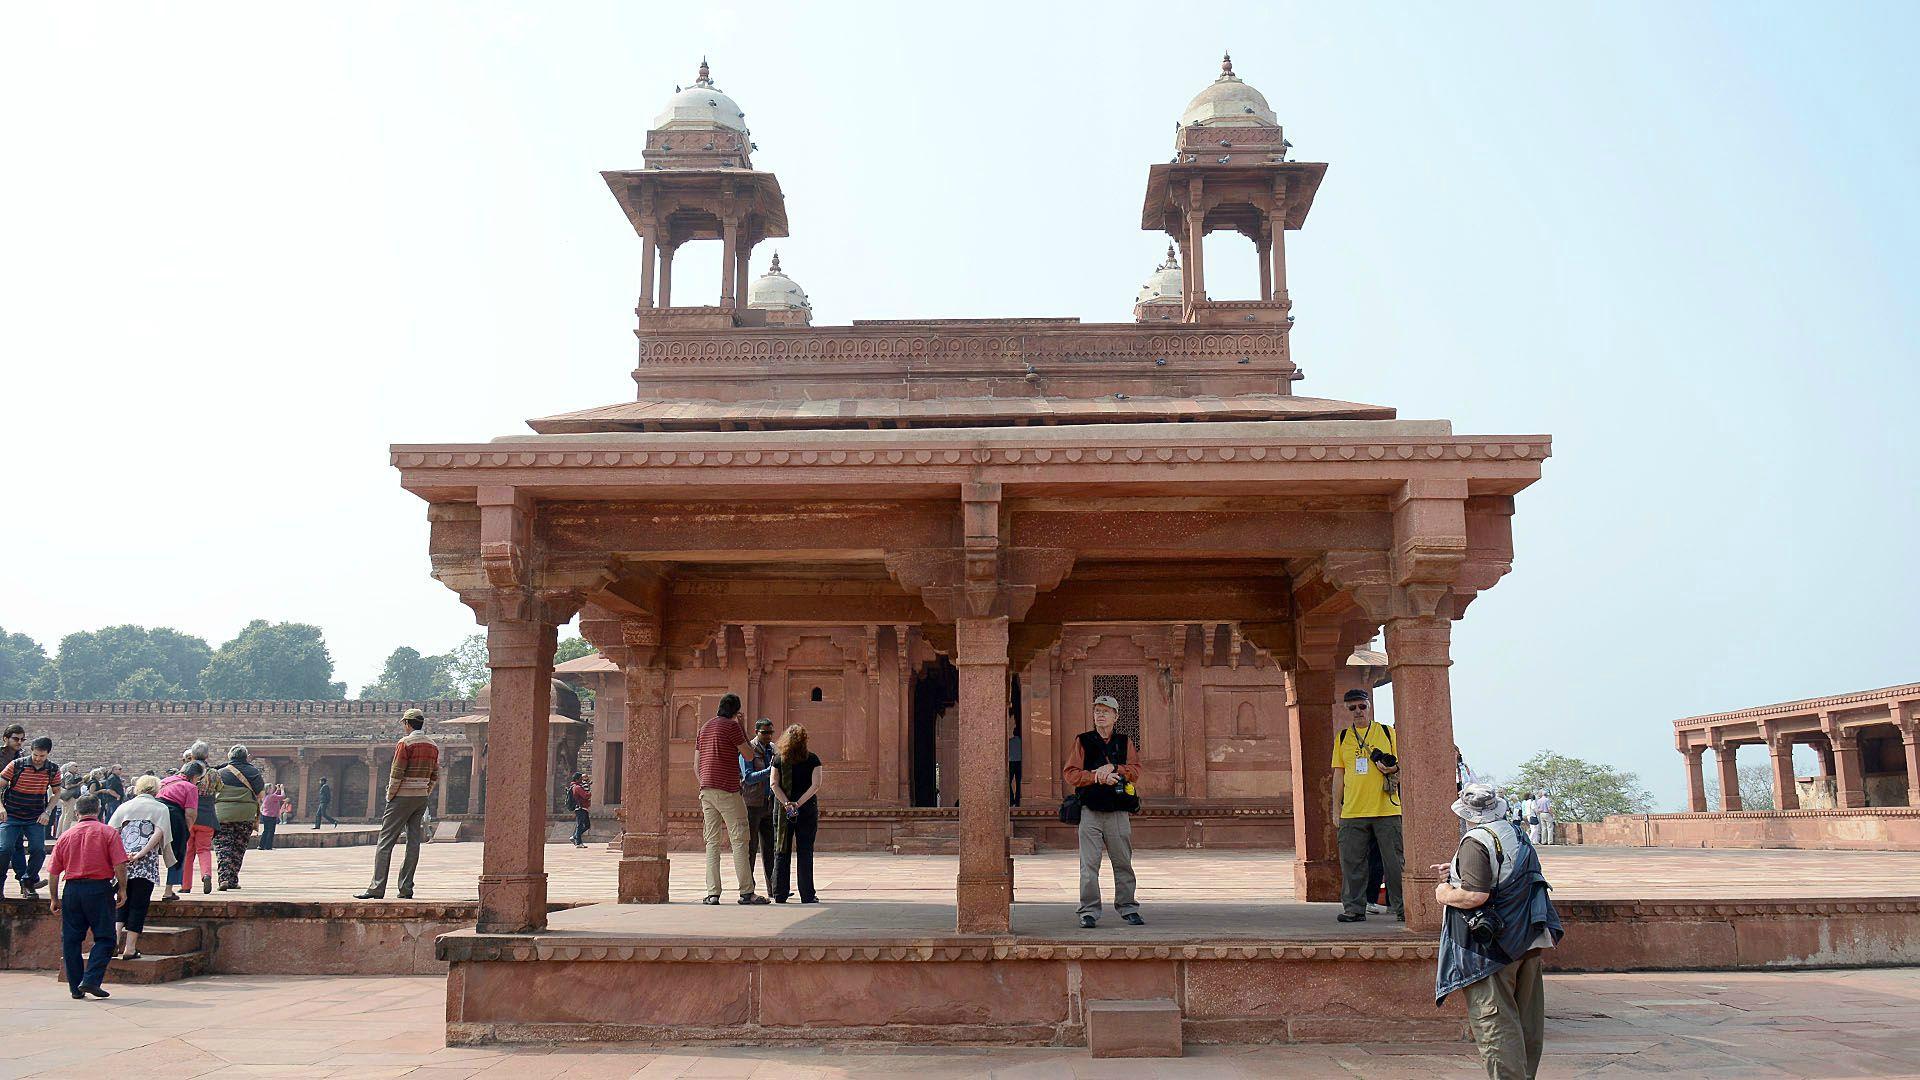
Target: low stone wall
1630	935
265	937
880	829
1884	828
518	989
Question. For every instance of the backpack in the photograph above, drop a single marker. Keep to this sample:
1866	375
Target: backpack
572	803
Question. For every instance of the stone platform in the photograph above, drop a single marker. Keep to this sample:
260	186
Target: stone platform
889	972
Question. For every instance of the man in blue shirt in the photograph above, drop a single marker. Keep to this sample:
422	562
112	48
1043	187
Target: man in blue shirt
755	774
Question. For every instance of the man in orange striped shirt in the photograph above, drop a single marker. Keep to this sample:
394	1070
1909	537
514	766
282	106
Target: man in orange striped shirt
416	768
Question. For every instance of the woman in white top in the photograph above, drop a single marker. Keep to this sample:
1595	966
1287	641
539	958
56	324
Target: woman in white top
146	832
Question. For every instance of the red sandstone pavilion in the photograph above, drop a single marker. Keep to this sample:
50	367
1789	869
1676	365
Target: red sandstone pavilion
856	526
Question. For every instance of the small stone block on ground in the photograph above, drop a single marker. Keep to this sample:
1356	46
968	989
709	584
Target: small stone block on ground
445	832
1145	1028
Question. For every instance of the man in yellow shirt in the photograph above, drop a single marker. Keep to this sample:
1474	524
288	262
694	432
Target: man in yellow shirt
1366	793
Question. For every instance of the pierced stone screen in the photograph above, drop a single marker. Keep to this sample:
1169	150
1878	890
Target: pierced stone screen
1126	690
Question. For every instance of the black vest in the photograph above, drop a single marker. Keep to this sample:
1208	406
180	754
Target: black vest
1095	752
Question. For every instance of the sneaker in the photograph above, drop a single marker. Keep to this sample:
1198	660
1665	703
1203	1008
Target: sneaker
1132	918
1377	909
1087	922
710	900
206	883
1346	916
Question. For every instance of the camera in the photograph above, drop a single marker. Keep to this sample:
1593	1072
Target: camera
1484	926
1381	757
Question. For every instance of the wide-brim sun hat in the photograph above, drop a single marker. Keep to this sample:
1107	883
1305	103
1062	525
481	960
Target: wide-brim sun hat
1480	804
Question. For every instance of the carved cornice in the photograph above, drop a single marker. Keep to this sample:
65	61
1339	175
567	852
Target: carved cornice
1067	341
807	453
531	948
1808	707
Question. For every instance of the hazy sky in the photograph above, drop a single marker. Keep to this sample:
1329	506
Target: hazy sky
247	247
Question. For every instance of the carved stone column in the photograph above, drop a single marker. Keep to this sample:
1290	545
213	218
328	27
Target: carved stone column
1786	796
1696	778
984	890
648	256
1910	739
301	805
1311	724
440	792
1419	651
643	785
1849	786
513	879
1726	759
666	274
376	784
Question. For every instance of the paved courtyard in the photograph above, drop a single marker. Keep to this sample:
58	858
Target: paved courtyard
1787	1024
450	872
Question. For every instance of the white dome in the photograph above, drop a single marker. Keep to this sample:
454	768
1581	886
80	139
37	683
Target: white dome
1165	286
1229	103
701	107
775	290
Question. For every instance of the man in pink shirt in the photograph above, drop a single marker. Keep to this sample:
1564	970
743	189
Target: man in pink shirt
93	862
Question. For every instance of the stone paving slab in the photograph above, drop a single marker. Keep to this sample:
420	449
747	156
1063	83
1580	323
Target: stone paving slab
450	872
1774	1024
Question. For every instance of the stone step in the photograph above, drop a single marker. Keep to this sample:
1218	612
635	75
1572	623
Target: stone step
1141	1028
170	940
152	967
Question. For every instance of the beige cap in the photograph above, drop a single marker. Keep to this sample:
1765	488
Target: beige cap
1108	700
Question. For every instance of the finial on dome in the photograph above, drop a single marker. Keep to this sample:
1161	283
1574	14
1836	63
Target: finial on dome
1226	66
706	77
775	268
1172	262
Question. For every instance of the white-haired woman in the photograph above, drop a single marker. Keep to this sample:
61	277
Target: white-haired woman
236	793
146	832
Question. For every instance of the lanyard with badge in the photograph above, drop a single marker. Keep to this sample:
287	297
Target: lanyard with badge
1362	764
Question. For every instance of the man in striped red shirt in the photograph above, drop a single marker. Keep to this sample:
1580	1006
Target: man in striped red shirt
26	787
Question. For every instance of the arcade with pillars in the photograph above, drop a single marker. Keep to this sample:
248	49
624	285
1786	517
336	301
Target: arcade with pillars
1866	751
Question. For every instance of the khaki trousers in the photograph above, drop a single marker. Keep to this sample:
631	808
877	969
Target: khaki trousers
726	811
404	817
1108	832
1507	1012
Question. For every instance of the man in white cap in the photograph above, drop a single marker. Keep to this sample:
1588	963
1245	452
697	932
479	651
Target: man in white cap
1499	917
1102	773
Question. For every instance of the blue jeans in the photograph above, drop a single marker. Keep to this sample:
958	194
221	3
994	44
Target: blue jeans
86	906
26	863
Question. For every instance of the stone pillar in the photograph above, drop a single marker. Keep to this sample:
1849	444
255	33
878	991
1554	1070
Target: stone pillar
1196	280
376	784
1849	787
984	889
477	779
1280	258
666	275
302	792
1265	249
1696	779
730	241
649	254
888	723
1311	724
1726	758
740	264
513	879
643	782
440	792
1785	795
1419	651
1910	739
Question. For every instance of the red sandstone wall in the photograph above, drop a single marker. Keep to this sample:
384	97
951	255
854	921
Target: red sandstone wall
1893	828
150	734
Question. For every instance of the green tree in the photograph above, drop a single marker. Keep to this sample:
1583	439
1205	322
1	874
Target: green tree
467	667
572	648
1581	790
146	685
408	676
21	661
93	665
273	661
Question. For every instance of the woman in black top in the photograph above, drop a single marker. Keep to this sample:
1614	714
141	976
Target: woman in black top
796	791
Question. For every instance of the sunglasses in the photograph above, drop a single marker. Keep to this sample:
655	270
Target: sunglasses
1358	706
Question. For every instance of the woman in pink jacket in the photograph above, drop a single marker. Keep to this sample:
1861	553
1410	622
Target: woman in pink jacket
182	796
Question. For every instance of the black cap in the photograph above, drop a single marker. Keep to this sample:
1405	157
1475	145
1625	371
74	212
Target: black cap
1358	695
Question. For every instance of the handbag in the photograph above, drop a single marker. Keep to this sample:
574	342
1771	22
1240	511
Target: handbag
1070	809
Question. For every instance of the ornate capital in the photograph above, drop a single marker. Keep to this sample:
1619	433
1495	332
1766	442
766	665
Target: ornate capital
1422	641
980	641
